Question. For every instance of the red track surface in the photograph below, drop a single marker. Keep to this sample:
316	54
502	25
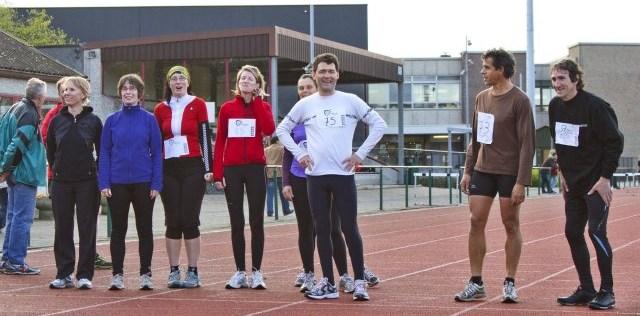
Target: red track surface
420	255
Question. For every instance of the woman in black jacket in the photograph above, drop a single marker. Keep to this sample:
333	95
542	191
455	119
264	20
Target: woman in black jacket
72	138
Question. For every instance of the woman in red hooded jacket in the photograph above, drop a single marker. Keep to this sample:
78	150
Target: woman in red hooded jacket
242	123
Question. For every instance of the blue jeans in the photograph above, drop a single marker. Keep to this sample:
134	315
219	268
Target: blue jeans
20	207
3	207
274	186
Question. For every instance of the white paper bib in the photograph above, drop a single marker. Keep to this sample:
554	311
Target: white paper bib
242	128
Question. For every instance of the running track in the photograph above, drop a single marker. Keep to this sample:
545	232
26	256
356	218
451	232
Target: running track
420	255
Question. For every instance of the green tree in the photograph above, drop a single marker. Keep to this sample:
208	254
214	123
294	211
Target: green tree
34	28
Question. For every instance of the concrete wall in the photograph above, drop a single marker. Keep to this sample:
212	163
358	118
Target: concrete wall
611	72
102	106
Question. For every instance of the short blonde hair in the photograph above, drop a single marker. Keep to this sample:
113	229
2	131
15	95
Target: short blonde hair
59	85
259	79
82	84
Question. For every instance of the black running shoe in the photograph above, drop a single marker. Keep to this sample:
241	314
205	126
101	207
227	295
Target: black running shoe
603	300
579	297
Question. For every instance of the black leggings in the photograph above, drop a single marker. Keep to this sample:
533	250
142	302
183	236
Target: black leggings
306	233
342	190
122	195
236	179
580	210
83	199
182	194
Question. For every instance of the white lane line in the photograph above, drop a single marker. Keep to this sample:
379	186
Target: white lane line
569	268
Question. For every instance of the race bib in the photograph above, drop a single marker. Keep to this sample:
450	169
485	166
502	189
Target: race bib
242	128
176	147
567	134
331	119
485	127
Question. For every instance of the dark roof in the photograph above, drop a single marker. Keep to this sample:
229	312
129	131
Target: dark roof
20	60
291	47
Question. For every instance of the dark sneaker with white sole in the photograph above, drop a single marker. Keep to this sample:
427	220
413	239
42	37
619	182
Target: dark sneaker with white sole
579	297
603	300
323	289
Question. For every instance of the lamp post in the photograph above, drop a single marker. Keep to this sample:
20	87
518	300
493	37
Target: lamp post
467	43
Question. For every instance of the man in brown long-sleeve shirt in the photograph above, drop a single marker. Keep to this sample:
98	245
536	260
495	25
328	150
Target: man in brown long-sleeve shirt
499	160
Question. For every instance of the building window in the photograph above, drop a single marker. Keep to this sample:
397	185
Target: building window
543	97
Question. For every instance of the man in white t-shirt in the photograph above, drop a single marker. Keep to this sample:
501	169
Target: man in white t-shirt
330	118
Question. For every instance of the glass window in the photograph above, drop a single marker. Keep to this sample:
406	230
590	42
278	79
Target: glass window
449	95
424	95
378	95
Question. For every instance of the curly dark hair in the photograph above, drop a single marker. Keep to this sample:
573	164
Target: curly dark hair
502	59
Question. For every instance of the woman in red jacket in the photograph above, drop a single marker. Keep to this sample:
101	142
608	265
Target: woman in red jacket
183	122
242	123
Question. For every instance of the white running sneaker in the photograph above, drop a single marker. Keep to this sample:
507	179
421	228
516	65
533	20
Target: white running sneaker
309	282
257	281
145	282
471	292
117	282
346	283
84	284
360	291
237	281
509	293
299	279
61	283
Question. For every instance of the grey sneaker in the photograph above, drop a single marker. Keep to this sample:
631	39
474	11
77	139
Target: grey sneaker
238	280
509	293
309	282
61	283
84	284
192	280
360	291
174	281
145	282
371	278
471	292
117	282
323	289
346	283
299	279
257	281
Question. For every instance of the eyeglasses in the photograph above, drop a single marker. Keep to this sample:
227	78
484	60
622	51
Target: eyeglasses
178	79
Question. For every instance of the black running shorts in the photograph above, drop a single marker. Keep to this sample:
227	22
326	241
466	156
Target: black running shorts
488	184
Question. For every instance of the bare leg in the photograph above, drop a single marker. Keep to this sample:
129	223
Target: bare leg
513	246
480	207
173	251
193	251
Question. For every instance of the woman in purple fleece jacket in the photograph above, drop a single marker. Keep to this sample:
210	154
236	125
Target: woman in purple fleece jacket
131	173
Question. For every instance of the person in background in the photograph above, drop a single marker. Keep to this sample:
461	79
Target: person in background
274	153
131	174
545	173
72	138
240	163
100	263
188	162
22	165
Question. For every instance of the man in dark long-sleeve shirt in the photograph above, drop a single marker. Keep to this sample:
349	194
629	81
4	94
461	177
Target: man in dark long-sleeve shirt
588	143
